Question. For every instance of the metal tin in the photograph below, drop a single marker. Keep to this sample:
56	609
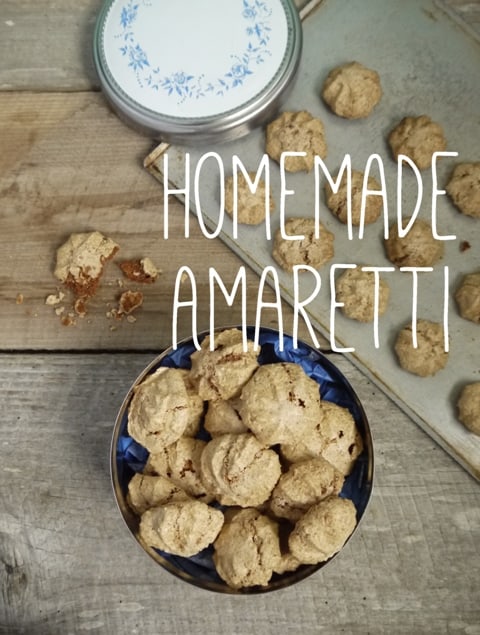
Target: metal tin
191	72
128	457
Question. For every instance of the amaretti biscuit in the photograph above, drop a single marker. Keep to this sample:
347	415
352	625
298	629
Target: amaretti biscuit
223	417
280	404
352	90
355	289
337	202
417	138
181	463
182	528
430	356
303	485
335	438
323	530
81	260
307	250
464	188
252	206
468	406
237	469
222	372
467	297
196	406
159	411
343	442
247	549
296	132
146	491
418	248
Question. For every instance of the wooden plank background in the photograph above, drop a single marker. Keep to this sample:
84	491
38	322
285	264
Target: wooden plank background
68	564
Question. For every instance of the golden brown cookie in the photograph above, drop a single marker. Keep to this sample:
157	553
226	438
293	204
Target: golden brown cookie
334	438
337	201
430	356
467	297
323	530
247	550
81	259
296	132
352	90
417	249
146	491
311	251
468	406
303	485
222	372
251	206
180	463
343	443
223	417
238	470
464	188
280	404
356	289
287	563
159	411
181	528
417	138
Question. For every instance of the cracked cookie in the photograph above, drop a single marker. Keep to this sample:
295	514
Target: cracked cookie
352	90
304	250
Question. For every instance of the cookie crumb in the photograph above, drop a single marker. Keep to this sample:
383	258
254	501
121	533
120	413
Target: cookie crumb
54	299
129	301
19	298
68	320
80	307
141	270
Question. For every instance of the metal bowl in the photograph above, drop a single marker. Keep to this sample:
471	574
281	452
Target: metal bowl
128	457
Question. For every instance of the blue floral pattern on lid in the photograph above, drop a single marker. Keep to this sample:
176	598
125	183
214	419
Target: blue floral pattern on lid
183	84
188	59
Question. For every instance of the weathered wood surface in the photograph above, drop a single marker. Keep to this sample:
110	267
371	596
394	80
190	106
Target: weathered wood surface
68	564
72	166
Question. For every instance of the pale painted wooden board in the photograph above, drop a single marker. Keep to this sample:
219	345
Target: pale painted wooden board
426	61
68	565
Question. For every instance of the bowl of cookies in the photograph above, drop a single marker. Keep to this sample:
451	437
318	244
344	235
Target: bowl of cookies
242	460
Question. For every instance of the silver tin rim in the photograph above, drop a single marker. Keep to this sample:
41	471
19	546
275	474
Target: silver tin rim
229	125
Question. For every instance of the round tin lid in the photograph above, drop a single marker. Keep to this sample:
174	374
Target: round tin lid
187	70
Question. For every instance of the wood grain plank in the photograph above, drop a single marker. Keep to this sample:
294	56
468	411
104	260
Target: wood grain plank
68	564
58	176
47	45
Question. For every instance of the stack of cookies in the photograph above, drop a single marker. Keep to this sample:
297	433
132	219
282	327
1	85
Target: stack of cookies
245	459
